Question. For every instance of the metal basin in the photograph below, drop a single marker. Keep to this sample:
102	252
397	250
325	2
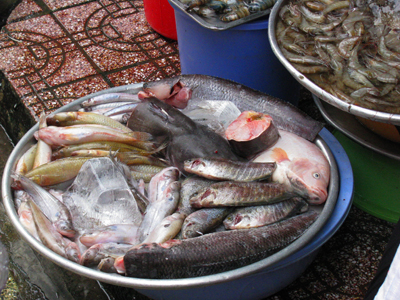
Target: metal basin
315	89
300	253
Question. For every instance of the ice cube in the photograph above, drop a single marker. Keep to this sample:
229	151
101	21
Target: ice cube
101	196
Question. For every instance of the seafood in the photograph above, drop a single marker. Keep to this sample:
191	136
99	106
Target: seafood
168	228
215	252
285	115
118	233
203	221
251	133
50	206
97	252
260	5
25	163
189	186
232	193
301	167
43	151
346	36
76	117
237	13
223	169
76	134
110	98
57	171
256	216
186	139
53	239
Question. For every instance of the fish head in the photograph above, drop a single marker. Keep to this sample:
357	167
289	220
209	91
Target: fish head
310	179
65	227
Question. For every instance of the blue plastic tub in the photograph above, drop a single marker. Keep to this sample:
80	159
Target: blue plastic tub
274	278
242	54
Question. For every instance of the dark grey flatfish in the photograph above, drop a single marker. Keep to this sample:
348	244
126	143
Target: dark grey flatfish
215	252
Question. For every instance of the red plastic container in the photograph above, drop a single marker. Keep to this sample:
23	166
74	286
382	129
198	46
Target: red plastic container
161	17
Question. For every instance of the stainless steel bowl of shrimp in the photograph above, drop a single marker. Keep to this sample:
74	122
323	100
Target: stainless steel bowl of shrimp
347	53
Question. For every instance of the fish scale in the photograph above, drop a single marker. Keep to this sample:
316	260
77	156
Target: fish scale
215	252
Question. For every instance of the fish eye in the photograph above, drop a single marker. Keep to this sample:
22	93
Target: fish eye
316	175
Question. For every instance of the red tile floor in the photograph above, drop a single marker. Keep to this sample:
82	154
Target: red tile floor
55	51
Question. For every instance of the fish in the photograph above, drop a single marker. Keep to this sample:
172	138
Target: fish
300	165
57	213
25	162
176	94
186	139
251	133
76	134
51	238
92	256
117	233
110	98
224	169
77	117
189	186
168	228
233	193
261	215
156	211
285	115
43	151
160	182
203	221
215	252
25	217
54	172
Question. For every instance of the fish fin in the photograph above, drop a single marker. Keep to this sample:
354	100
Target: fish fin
279	155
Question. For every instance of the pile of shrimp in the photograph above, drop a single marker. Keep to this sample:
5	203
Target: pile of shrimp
227	10
340	46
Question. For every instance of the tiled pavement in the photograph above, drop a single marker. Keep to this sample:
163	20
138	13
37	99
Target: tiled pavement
55	51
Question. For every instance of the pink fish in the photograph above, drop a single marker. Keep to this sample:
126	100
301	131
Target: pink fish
301	166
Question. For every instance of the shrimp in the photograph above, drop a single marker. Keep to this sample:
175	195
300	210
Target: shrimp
260	5
346	45
314	5
385	52
310	16
336	6
310	69
236	14
302	59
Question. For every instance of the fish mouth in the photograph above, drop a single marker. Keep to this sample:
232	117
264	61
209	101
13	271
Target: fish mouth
314	195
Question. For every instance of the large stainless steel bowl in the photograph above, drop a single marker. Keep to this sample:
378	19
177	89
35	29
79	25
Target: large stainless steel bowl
324	226
315	89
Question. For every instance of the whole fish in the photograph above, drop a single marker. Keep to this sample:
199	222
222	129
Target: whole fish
261	215
301	167
55	172
215	252
233	193
118	233
26	218
189	186
92	256
76	117
110	98
66	151
51	207
76	134
160	182
224	169
203	221
285	115
186	139
156	211
43	151
25	162
51	238
168	228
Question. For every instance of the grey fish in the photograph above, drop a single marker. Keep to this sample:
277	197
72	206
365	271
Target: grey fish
203	221
232	193
261	215
285	115
215	252
186	139
189	186
224	169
